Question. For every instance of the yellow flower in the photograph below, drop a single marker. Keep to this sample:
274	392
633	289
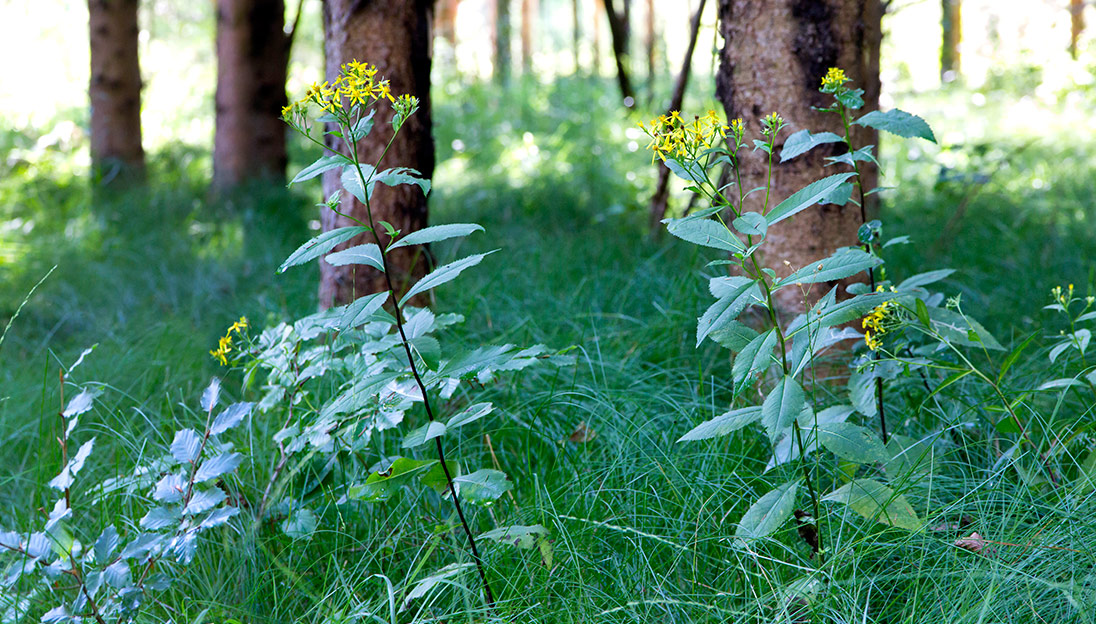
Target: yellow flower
224	343
876	324
834	79
672	136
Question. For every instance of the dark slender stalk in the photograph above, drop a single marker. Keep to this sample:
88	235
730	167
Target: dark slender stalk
418	378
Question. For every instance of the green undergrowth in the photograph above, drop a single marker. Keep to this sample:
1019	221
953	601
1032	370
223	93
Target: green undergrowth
640	526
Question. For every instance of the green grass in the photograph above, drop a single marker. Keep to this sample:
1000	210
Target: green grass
640	526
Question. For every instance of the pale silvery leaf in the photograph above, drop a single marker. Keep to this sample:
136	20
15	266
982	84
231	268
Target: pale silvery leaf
233	415
38	546
211	395
60	512
218	517
170	489
118	575
185	546
80	403
301	525
9	539
68	473
185	446
58	615
106	544
204	500
144	544
160	518
217	466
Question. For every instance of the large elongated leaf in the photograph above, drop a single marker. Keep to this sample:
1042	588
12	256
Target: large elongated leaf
469	414
482	486
380	486
443	274
727	309
806	197
770	511
402	175
352	182
320	245
368	254
325	163
436	233
804	141
184	448
875	501
705	232
424	434
80	403
962	330
233	415
783	404
723	424
898	122
754	357
361	310
216	466
845	262
923	279
518	536
852	442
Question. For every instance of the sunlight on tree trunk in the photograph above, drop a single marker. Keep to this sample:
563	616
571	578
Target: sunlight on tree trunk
394	36
528	31
252	60
1076	25
502	42
773	59
576	14
952	25
115	90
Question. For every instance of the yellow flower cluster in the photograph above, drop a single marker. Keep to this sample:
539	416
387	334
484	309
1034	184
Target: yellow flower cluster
875	325
356	85
834	79
224	345
673	137
1060	296
771	124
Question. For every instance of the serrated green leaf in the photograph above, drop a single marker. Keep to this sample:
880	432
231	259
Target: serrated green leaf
380	486
436	233
691	171
734	335
924	279
325	163
723	424
705	232
483	486
845	262
781	406
424	434
806	197
402	175
956	328
875	501
524	537
852	442
751	224
769	513
803	141
368	254
755	357
443	274
470	414
352	182
898	122
320	245
727	309
361	310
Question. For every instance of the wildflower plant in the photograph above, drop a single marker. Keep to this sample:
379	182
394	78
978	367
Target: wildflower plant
386	363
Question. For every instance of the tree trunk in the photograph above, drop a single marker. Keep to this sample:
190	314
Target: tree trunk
502	42
660	200
774	56
394	36
528	19
1076	25
597	40
576	12
252	62
952	24
651	41
115	89
620	32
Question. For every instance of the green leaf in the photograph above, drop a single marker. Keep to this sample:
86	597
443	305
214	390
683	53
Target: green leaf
727	308
840	195
483	486
691	171
436	233
325	163
1012	357
803	141
751	224
352	182
957	328
724	424
362	127
402	175
923	312
924	279
380	486
910	460
1086	476
301	524
783	404
435	477
769	513
429	349
320	245
443	274
864	154
368	254
806	197
524	537
875	501
755	357
361	310
470	414
845	262
734	335
705	232
835	313
442	576
862	392
852	442
424	434
898	122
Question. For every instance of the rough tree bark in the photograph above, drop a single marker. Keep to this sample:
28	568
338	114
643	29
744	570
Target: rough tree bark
115	90
252	63
502	42
952	26
620	32
394	36
774	56
1076	25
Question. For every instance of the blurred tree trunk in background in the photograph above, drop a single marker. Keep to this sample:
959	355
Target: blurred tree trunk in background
528	26
597	40
952	23
651	42
774	56
502	42
115	90
576	13
252	63
1076	24
620	30
396	37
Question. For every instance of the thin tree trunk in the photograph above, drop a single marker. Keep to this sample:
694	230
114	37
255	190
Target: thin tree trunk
115	90
502	42
394	36
651	40
661	197
528	25
952	26
774	56
597	39
576	13
620	32
1076	25
252	62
